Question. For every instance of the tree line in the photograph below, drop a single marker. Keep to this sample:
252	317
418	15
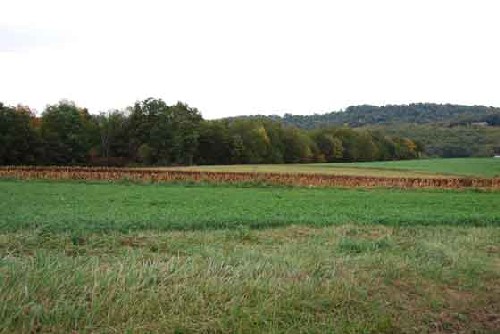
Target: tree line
446	130
153	133
448	141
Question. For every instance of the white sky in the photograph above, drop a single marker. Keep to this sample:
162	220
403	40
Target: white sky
250	57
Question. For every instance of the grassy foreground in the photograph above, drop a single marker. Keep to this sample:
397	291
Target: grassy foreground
341	279
135	258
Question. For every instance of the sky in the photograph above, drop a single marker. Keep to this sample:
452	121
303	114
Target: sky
233	57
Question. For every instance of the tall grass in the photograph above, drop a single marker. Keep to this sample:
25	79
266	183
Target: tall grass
343	279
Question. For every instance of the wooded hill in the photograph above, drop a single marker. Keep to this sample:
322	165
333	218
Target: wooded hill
445	130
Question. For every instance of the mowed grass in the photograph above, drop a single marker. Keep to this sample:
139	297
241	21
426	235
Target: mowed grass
474	167
100	258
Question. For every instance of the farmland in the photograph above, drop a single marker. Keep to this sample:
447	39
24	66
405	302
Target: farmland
118	257
287	176
485	167
424	168
348	248
250	167
73	207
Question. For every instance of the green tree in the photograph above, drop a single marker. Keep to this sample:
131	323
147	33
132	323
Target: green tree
276	147
149	123
113	135
214	143
18	138
252	140
185	123
329	147
171	132
65	133
297	146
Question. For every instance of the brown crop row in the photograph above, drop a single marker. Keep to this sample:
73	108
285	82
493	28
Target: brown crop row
315	180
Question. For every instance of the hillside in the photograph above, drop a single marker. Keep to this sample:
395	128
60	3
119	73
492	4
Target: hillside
418	113
421	113
445	130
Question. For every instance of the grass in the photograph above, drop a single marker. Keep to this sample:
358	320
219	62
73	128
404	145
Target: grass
478	167
102	207
338	279
485	167
101	258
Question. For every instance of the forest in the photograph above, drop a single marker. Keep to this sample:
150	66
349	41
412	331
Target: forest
445	130
415	113
153	133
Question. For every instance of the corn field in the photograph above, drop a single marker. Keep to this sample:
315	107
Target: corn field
295	179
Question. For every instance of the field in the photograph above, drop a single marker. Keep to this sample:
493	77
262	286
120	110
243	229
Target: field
477	167
126	257
485	167
290	176
74	207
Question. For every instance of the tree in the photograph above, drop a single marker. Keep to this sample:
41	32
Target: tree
171	132
214	143
405	148
149	123
276	148
114	141
250	140
329	147
18	138
65	133
186	131
297	146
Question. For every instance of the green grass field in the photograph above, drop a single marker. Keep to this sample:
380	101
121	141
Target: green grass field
108	257
75	207
478	167
485	167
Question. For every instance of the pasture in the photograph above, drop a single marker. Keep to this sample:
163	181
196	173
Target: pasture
481	167
126	257
82	207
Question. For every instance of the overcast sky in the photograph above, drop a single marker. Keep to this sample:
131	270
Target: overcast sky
250	57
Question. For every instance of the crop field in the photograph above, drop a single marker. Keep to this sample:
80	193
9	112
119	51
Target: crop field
124	257
426	168
73	207
162	175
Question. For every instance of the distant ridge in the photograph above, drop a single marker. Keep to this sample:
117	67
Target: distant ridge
416	113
